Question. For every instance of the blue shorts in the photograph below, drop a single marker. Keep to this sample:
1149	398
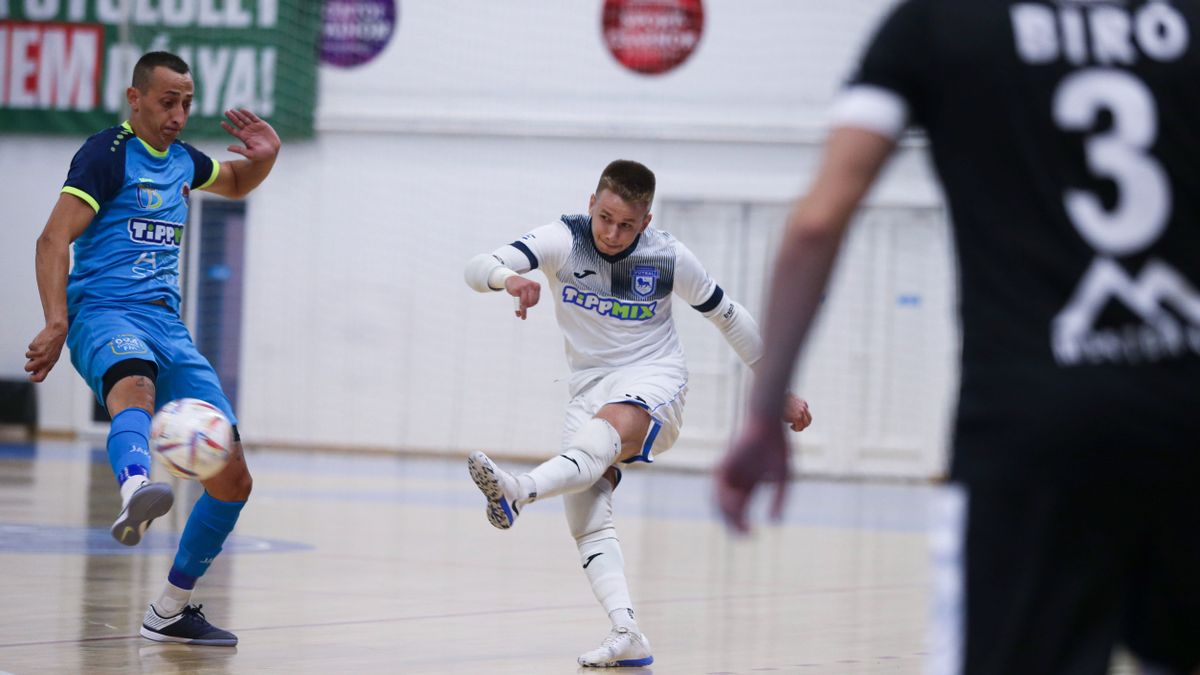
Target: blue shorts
101	337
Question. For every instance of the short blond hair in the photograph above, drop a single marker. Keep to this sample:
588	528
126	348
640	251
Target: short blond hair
629	180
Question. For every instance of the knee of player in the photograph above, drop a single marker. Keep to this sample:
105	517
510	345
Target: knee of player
130	384
586	536
241	482
243	485
232	485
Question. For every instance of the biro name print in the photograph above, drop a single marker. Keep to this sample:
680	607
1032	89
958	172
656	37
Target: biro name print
624	311
1046	34
1163	300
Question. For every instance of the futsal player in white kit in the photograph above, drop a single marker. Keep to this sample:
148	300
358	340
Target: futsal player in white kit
611	278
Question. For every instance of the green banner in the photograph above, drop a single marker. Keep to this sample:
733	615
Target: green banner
65	64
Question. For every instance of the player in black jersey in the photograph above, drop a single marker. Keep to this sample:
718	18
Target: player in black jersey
1067	137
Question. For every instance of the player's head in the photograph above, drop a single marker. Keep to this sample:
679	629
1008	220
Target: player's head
160	98
620	208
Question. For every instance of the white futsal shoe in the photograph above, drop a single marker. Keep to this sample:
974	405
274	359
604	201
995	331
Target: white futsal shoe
622	647
499	486
148	502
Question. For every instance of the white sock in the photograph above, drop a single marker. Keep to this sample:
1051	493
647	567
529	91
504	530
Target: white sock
172	601
623	618
592	450
130	486
606	572
589	517
526	491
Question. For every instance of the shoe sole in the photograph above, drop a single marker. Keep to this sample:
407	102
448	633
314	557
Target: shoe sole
483	472
159	637
624	663
148	503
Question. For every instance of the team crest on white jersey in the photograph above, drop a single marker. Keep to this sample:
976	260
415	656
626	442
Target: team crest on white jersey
645	280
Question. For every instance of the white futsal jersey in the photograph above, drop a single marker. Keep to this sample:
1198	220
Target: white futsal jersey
614	310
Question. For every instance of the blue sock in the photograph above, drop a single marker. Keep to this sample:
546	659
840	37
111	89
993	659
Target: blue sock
127	446
210	523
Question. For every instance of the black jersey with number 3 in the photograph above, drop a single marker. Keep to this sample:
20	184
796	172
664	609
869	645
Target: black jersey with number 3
1067	138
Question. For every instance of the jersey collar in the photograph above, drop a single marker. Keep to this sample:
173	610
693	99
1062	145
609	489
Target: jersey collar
618	257
149	148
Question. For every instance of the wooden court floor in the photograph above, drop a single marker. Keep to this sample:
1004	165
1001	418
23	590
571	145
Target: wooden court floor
347	563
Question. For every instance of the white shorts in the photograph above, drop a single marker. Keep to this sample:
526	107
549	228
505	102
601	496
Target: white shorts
660	390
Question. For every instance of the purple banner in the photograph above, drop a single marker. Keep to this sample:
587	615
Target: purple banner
356	31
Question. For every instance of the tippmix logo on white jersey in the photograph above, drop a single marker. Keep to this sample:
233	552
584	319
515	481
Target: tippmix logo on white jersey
617	309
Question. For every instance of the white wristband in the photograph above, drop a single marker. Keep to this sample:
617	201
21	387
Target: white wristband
498	276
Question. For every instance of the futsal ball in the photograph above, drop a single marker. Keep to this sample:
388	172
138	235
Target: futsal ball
191	438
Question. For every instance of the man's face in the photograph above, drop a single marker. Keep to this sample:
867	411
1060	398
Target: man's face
616	222
160	113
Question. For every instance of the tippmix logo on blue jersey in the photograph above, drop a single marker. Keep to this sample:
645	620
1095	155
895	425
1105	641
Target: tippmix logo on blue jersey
645	280
155	232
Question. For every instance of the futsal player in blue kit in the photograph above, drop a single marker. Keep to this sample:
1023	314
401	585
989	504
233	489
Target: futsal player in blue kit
124	206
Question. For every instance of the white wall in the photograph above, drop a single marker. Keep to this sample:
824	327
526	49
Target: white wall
483	120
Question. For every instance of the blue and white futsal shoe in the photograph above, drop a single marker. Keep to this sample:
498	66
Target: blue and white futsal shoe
621	648
188	627
145	504
500	487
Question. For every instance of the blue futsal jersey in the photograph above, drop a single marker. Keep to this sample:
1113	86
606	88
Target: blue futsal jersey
130	251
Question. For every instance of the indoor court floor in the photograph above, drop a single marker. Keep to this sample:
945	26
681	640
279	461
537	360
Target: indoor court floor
369	563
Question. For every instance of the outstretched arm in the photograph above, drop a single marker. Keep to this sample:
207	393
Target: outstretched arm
853	158
260	147
68	220
501	270
487	272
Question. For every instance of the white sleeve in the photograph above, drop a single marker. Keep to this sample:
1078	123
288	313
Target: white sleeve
542	248
692	282
485	272
876	109
545	247
739	328
698	289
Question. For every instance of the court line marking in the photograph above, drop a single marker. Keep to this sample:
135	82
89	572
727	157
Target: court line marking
495	612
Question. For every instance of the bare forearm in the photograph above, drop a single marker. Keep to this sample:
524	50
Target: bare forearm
52	263
852	159
248	174
801	273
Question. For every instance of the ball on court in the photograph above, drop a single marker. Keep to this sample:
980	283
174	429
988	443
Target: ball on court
191	438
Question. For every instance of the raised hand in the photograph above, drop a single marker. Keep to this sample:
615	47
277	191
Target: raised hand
258	138
759	454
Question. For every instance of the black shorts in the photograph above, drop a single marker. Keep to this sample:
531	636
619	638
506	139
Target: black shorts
1058	571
